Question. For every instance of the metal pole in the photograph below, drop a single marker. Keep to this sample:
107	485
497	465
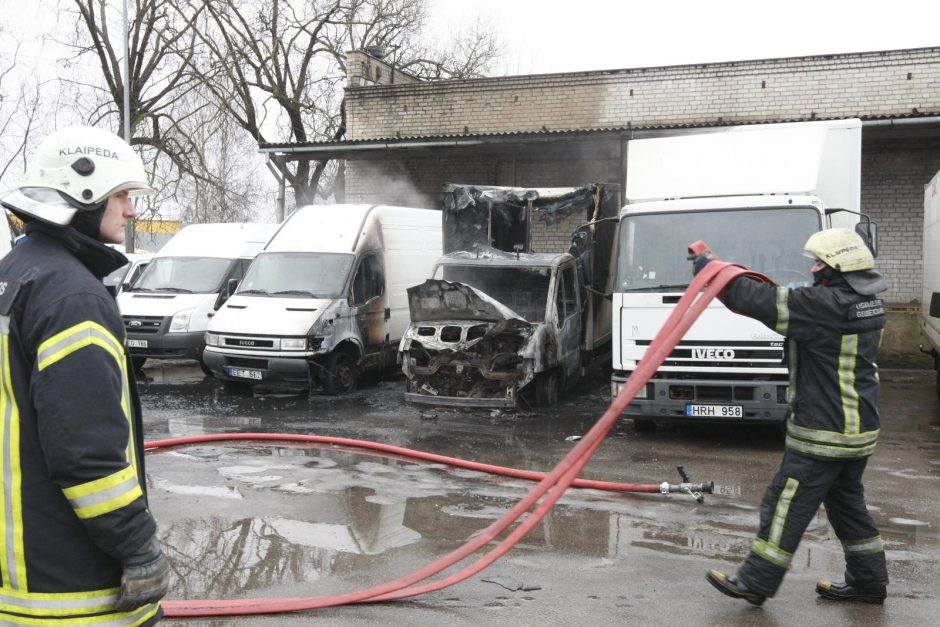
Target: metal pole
129	244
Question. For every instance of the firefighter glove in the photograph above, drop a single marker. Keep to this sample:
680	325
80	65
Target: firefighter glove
145	578
700	261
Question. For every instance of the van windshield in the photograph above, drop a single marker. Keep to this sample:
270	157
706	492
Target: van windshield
654	246
300	275
196	275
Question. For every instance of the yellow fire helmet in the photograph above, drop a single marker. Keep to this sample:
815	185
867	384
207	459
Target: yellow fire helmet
840	249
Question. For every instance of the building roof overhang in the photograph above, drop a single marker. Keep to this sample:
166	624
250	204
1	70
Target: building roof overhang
606	140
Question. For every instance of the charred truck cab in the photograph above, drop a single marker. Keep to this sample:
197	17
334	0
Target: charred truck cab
492	323
326	298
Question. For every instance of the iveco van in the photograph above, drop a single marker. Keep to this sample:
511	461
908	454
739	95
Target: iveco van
326	299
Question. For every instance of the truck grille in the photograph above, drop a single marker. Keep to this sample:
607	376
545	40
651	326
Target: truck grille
706	354
143	324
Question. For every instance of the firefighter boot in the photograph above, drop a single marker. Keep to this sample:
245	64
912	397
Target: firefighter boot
873	593
730	585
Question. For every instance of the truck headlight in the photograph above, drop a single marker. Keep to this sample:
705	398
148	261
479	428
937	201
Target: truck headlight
293	343
180	321
616	386
212	339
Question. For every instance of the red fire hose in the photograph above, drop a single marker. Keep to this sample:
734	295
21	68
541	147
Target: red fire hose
705	286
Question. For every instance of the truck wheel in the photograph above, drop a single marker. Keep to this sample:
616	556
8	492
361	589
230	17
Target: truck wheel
138	363
341	373
546	388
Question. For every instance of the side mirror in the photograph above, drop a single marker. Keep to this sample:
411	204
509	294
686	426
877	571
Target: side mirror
231	287
868	231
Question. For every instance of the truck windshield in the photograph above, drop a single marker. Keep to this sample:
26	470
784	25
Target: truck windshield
524	290
297	275
197	275
654	247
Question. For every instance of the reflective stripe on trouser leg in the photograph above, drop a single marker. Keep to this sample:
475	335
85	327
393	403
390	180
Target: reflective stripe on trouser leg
790	502
845	506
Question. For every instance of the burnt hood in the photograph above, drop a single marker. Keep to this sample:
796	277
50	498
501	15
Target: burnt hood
436	300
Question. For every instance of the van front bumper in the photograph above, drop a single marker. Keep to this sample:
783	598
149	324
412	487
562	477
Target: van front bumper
254	370
670	399
166	345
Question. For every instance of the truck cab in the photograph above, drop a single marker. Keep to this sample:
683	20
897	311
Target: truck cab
754	194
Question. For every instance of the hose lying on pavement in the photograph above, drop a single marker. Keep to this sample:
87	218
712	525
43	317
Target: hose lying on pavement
704	288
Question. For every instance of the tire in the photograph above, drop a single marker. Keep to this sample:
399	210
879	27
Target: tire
138	363
205	369
341	374
546	388
644	425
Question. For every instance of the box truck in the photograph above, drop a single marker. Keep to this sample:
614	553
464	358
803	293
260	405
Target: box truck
754	194
498	320
930	318
167	308
326	298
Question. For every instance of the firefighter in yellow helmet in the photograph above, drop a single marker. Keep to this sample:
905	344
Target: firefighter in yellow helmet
833	330
80	544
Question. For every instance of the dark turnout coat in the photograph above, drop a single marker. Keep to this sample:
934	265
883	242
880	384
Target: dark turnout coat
833	335
73	500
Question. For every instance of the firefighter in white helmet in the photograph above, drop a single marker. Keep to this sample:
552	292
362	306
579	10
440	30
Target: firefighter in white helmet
833	330
81	545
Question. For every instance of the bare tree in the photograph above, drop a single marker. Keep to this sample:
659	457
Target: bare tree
277	66
19	113
163	116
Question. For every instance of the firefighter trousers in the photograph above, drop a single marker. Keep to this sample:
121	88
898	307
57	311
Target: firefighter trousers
791	501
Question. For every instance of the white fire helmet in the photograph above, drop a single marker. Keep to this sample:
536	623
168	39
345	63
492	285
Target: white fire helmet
77	168
840	249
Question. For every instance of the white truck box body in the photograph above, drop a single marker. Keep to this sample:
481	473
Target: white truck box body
149	314
931	293
251	327
786	174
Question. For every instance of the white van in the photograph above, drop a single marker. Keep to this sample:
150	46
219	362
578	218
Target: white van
326	299
167	308
126	275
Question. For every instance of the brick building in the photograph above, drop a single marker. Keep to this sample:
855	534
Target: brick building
406	137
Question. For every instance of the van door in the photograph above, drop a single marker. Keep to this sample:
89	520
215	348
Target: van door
368	298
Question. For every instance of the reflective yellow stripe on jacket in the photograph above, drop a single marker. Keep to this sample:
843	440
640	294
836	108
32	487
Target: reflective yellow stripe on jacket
55	349
12	554
135	617
852	442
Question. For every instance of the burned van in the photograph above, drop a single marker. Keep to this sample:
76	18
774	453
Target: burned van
486	327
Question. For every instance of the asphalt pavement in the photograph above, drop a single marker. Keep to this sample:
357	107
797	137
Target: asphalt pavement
262	520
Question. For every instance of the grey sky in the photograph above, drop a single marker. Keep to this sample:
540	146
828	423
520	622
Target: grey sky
575	35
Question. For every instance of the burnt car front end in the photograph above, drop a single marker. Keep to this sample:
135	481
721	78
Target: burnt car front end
465	348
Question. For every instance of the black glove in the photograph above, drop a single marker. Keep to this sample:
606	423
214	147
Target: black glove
145	579
700	261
